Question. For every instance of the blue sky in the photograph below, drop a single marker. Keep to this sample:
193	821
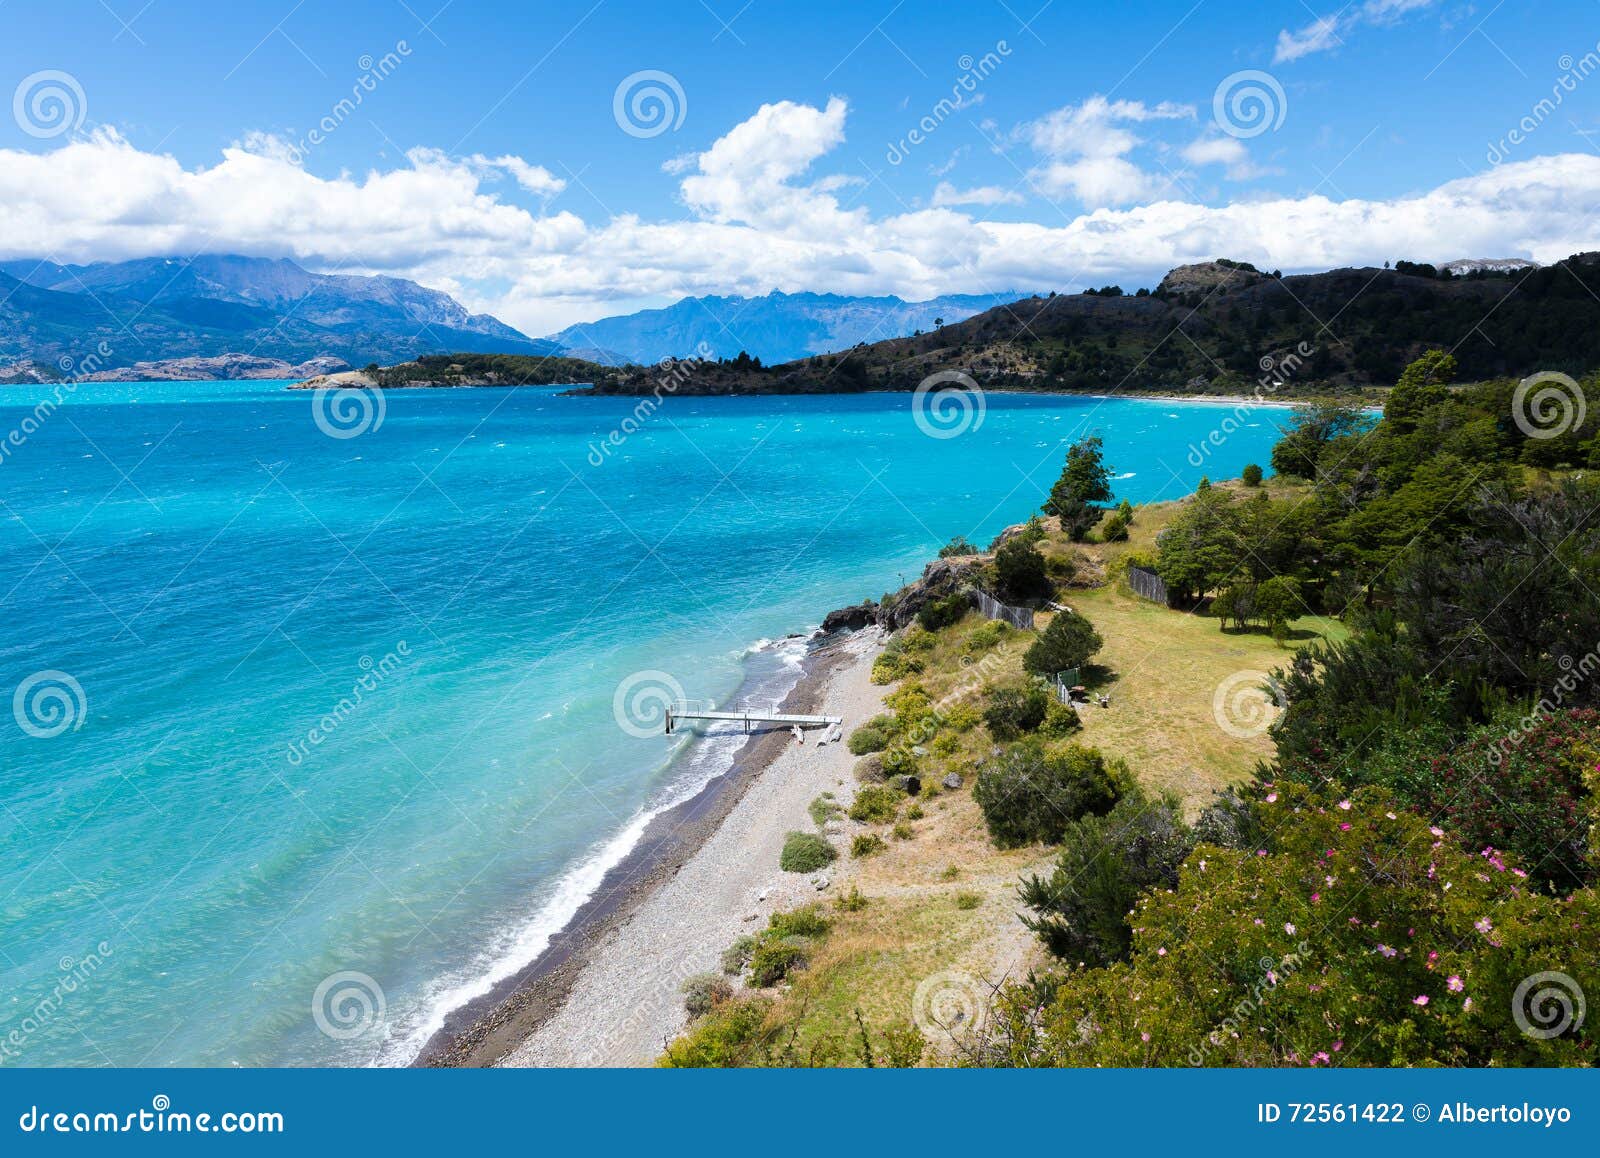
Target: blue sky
1084	117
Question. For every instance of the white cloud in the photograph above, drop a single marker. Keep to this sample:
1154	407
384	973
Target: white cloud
946	194
1085	149
1230	152
1328	32
762	220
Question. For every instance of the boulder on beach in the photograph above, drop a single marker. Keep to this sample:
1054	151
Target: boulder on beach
863	614
869	769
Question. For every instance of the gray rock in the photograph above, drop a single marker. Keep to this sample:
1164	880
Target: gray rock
952	781
869	769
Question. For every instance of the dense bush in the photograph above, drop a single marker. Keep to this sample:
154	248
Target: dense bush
737	955
1068	641
1060	720
941	613
1020	572
1012	710
867	844
873	736
704	992
1115	529
957	546
875	804
1081	910
1361	939
730	1035
805	852
1030	794
1251	475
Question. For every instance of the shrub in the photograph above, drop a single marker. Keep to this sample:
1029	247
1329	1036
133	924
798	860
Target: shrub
950	873
823	809
869	769
867	844
903	831
1060	720
967	901
986	635
1013	710
805	852
1251	475
737	955
1115	530
1020	571
1413	955
803	922
1031	794
914	812
1106	862
775	958
704	992
942	613
961	717
957	546
873	736
1068	642
727	1036
875	804
851	902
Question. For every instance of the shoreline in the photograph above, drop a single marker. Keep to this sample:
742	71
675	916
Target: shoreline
508	1019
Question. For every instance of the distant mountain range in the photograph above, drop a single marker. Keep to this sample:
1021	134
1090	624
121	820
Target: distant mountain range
776	327
159	309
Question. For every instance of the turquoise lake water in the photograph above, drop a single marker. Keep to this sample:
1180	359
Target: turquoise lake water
288	707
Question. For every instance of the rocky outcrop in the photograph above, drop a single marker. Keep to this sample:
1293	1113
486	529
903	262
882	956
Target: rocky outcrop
222	367
940	578
1206	276
863	614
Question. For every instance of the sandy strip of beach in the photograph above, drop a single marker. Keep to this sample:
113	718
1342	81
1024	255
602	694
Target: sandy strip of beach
625	1002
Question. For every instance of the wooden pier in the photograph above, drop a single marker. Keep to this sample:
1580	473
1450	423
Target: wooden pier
747	717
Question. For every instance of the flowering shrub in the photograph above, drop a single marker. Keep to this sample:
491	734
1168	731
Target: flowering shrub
1366	937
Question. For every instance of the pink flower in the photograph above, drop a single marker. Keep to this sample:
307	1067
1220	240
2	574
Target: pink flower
1144	1037
1387	952
1345	805
1261	852
1467	1004
1420	999
1345	827
1319	1057
1288	927
1436	830
1272	798
1390	815
1316	898
1337	1046
1454	983
1161	952
1482	925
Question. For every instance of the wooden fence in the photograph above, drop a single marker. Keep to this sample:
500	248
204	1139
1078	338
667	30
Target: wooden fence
1147	585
